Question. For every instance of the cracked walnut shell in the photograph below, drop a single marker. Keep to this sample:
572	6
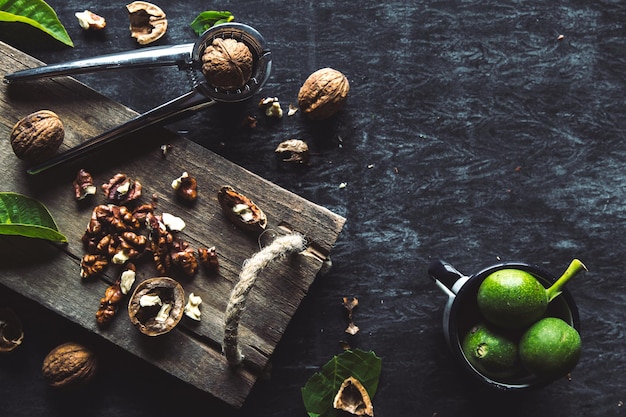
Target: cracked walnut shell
227	63
147	21
323	94
156	306
37	136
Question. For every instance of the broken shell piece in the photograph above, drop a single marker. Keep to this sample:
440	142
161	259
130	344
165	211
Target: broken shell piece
241	210
353	398
11	333
156	306
147	21
293	150
192	309
89	20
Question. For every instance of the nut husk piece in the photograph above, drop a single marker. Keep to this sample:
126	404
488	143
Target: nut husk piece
11	333
37	136
147	21
69	365
227	63
145	318
241	211
323	94
353	398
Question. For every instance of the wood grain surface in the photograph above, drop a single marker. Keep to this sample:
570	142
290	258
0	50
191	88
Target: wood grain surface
49	273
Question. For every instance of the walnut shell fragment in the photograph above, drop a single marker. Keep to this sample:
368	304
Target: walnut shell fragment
241	211
323	94
69	365
353	398
294	151
37	136
147	21
227	63
11	333
157	305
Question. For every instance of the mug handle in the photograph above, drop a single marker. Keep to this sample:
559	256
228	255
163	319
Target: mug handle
447	277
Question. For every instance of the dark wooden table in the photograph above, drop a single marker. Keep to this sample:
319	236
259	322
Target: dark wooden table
475	132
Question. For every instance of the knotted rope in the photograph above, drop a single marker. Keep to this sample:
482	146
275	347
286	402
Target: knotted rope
280	247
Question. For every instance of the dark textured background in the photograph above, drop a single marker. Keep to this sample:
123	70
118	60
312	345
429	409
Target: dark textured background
472	133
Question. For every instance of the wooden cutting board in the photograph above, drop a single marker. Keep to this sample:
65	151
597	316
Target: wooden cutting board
49	273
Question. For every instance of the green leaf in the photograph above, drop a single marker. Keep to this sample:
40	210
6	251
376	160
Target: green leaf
36	13
321	388
25	216
210	18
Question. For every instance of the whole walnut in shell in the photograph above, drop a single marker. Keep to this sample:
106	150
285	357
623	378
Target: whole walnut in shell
69	365
323	94
227	63
37	136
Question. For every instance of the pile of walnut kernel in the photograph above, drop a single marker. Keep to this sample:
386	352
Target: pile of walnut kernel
121	231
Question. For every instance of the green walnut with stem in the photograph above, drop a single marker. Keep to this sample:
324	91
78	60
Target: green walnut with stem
514	299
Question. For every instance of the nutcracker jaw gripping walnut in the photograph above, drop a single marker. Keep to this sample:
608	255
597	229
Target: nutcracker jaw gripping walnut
250	74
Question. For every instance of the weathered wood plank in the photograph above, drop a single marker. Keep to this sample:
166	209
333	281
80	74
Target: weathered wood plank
192	352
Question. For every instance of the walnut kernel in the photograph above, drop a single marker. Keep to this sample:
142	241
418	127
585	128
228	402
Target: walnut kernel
323	94
37	136
89	20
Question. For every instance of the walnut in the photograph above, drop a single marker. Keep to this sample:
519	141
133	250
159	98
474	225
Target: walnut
69	365
168	250
208	259
353	398
92	265
184	257
89	20
165	309
83	185
186	187
323	94
109	303
11	332
272	108
147	21
227	64
37	136
240	210
121	189
293	151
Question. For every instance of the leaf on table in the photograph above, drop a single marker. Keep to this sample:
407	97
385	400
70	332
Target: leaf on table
320	390
24	216
36	13
210	18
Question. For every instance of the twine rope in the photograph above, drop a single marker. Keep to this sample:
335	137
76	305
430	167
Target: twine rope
280	247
